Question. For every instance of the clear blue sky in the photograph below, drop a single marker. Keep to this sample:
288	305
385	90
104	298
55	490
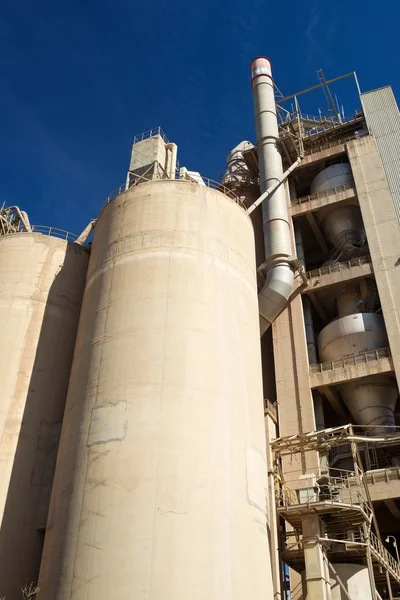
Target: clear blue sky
80	78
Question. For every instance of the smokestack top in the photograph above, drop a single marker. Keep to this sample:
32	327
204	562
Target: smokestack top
260	66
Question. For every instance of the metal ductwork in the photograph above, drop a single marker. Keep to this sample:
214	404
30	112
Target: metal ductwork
237	172
310	333
332	176
342	225
279	274
370	400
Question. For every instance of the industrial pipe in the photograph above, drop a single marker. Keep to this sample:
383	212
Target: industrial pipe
277	241
86	232
265	195
310	333
23	216
298	238
171	162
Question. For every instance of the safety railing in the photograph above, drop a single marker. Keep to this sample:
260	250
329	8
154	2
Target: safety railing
349	361
204	181
344	487
334	144
150	133
331	192
55	232
339	266
384	557
45	230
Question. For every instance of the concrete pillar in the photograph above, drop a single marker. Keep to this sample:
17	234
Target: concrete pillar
296	408
382	231
314	559
272	518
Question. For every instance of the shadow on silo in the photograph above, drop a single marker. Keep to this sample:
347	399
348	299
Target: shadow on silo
26	506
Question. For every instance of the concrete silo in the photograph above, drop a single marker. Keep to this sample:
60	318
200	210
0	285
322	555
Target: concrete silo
160	482
41	287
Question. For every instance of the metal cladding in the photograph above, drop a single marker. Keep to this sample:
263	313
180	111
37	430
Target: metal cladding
277	238
342	225
344	228
331	177
237	172
352	334
42	280
310	334
356	581
383	120
161	475
370	400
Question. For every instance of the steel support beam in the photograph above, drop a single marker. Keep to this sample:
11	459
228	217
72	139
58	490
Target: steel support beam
317	232
334	400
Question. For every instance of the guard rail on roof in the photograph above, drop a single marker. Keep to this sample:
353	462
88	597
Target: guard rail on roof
339	266
349	361
47	230
331	192
149	134
55	232
335	144
205	181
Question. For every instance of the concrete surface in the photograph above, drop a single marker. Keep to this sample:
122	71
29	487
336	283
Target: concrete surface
160	488
41	286
352	372
316	201
382	229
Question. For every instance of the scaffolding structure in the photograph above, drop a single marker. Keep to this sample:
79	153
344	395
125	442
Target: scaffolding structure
328	512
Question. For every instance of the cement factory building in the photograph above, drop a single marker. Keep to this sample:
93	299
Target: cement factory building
200	393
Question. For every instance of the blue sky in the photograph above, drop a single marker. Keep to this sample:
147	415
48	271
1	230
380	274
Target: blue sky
80	78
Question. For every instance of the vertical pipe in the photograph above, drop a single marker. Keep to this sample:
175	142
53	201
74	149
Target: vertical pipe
277	241
299	246
171	164
310	333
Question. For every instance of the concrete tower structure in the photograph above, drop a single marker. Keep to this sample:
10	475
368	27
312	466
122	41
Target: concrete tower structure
335	347
231	428
41	287
160	482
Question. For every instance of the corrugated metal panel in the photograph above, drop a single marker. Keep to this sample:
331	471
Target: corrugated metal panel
383	120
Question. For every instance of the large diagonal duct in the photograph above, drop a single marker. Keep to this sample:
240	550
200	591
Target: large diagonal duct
279	275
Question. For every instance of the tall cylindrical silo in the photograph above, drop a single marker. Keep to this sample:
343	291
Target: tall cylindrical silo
160	482
41	286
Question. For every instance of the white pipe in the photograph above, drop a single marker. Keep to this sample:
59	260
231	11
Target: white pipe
26	221
171	162
23	217
86	232
279	277
275	186
310	333
298	237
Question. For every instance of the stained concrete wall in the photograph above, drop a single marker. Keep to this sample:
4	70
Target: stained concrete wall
160	486
41	287
383	234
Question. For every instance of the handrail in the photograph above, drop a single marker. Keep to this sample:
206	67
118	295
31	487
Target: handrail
339	266
150	133
330	192
47	230
344	489
340	142
364	357
383	556
151	179
55	232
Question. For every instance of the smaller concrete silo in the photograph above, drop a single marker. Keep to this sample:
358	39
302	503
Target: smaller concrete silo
41	286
